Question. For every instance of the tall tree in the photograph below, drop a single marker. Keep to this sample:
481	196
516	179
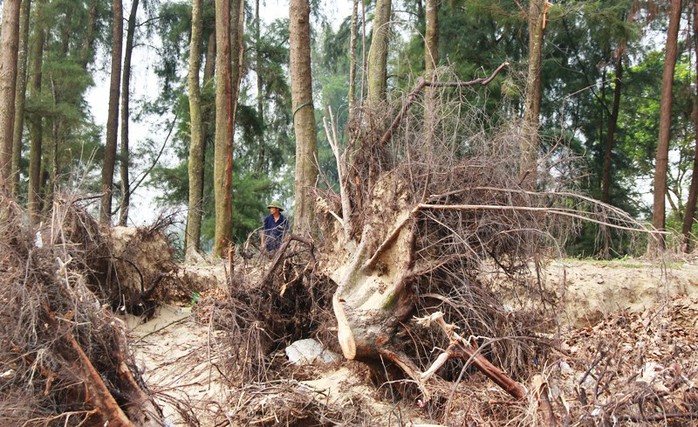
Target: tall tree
690	214
352	58
431	37
125	115
662	159
9	44
112	115
36	122
261	162
228	62
196	147
20	92
537	10
378	53
304	115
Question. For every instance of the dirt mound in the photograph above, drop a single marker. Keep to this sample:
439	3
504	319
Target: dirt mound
590	290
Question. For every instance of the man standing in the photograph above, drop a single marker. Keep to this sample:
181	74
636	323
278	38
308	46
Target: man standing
275	226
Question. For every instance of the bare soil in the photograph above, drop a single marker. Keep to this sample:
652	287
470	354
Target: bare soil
628	327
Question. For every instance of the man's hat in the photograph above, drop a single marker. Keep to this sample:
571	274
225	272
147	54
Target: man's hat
275	204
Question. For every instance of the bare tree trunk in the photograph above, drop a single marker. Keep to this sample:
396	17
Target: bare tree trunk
224	130
608	149
20	93
87	51
125	114
9	44
196	148
261	155
431	60
431	39
662	160
36	123
378	54
228	43
689	216
352	59
113	114
303	115
537	10
611	133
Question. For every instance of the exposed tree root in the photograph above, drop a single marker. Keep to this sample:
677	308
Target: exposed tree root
74	360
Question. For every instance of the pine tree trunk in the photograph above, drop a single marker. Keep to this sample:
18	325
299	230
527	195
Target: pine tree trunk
87	51
536	30
228	54
261	151
303	115
431	38
196	148
378	54
36	128
611	133
20	93
689	217
113	115
352	59
9	44
662	159
125	115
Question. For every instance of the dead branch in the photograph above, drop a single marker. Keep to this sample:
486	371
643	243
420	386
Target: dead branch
460	348
97	391
421	84
570	213
281	251
340	158
540	391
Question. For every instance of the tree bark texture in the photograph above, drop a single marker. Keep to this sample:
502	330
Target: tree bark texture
378	54
612	126
431	38
224	111
196	147
20	93
261	149
536	29
689	216
303	115
125	115
9	44
112	115
662	159
36	122
87	51
228	57
352	59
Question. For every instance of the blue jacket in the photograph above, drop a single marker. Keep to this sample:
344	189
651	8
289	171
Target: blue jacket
274	231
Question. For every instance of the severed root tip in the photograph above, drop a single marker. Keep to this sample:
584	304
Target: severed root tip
344	334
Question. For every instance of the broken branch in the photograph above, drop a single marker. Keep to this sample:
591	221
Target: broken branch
460	348
421	84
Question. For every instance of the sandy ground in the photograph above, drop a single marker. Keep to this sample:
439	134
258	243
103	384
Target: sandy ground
591	290
179	359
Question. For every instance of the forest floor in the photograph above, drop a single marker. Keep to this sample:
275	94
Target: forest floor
627	327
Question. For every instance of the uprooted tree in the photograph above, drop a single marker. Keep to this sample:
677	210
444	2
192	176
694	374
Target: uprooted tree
64	355
417	222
